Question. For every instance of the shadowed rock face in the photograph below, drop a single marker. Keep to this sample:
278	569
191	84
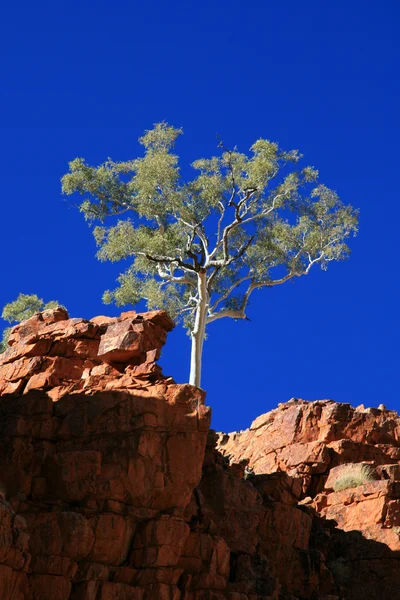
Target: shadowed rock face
113	487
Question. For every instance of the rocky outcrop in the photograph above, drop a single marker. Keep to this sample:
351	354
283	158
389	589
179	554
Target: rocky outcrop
356	530
307	439
99	457
114	488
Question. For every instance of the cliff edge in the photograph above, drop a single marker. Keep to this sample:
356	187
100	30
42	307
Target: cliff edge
114	488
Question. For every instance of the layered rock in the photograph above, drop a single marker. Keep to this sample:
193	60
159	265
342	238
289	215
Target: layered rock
307	439
356	530
99	457
113	487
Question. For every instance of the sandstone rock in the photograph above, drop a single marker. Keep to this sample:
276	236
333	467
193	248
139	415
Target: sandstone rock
73	450
112	538
133	336
114	488
313	442
308	438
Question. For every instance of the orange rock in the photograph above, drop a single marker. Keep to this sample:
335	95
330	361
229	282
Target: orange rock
21	369
113	488
102	320
41	381
159	543
356	508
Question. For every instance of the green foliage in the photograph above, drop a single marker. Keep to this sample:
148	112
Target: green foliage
4	339
246	220
353	476
22	308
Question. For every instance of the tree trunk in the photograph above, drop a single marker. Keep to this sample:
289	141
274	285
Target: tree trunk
198	332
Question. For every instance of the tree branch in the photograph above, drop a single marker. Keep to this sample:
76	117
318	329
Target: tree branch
229	291
189	250
240	313
234	314
263	213
182	279
196	230
168	260
218	242
312	262
231	259
204	243
210	279
238	221
248	193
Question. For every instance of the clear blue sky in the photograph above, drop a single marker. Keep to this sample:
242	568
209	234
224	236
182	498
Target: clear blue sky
86	79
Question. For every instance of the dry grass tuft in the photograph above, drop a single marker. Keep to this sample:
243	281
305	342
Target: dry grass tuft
356	474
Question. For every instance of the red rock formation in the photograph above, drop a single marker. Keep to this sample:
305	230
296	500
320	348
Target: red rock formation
356	530
114	488
99	457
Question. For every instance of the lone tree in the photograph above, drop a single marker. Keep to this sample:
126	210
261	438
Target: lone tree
200	248
23	307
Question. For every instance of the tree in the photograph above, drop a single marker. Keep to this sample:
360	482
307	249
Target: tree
23	307
200	248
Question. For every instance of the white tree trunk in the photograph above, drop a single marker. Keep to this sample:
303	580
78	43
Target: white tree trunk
199	331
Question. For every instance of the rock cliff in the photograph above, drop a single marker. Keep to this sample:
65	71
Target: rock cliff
114	488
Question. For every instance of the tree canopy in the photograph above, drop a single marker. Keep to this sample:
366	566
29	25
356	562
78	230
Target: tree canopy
199	248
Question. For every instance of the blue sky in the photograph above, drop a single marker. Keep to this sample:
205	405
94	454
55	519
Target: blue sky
86	79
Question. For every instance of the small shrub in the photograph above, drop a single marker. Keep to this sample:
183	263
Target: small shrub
353	476
4	339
